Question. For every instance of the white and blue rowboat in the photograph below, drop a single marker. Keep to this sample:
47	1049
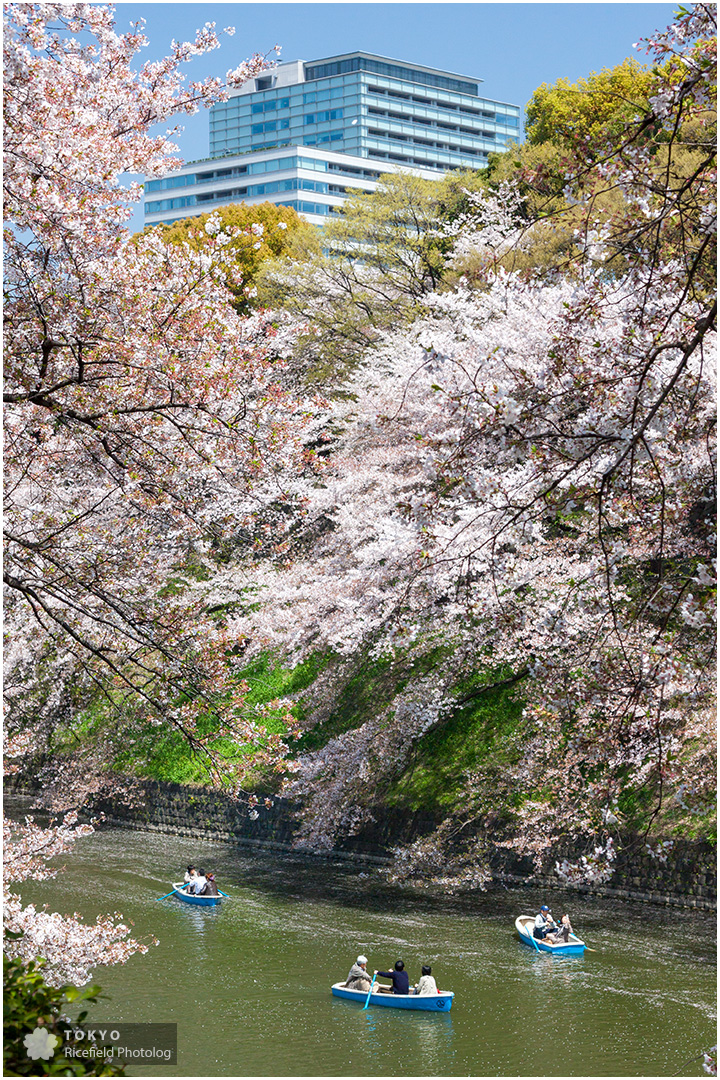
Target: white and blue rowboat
437	1003
193	898
524	924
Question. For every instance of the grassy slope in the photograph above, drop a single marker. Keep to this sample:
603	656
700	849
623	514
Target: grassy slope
481	737
165	755
471	748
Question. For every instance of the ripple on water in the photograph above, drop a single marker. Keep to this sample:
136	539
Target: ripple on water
248	982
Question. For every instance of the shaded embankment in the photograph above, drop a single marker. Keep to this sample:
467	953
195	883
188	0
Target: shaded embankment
686	879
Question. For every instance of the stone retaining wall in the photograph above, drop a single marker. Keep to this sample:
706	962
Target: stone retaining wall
686	879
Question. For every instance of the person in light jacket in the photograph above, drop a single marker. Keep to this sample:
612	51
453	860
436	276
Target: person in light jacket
197	885
545	926
358	977
426	983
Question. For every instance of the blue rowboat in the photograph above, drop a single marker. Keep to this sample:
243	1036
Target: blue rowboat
437	1003
192	898
524	925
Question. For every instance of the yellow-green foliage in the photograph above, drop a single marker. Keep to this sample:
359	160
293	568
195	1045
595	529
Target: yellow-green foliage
570	124
284	231
394	230
591	110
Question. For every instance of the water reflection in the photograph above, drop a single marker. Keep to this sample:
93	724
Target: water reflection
196	922
432	1037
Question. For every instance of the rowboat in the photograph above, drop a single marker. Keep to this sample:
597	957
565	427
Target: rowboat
193	898
524	925
441	1002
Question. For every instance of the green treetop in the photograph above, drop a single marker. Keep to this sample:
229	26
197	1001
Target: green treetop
590	110
373	265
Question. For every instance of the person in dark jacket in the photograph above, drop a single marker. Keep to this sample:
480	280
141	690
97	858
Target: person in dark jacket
211	888
400	978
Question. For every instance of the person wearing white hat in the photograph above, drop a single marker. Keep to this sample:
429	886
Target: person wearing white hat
358	978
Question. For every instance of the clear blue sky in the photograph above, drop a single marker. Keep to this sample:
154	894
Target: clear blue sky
513	48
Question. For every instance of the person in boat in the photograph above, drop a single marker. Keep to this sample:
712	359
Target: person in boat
400	978
565	929
426	983
358	976
211	888
190	878
545	926
198	884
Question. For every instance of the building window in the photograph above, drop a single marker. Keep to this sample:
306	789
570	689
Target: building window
169	204
392	71
270	106
263	83
322	95
170	182
325	137
322	117
273	166
313	163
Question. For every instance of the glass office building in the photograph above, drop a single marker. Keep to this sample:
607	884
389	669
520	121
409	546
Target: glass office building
308	134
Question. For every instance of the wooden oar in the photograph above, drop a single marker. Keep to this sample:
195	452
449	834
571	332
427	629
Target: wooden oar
367	999
165	896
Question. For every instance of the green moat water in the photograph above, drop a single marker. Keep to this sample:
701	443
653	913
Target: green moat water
248	982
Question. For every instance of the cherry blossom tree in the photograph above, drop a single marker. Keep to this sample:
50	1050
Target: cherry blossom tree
528	475
467	510
144	416
522	478
144	421
78	115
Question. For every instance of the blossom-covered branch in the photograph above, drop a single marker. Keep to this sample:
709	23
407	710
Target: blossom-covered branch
70	947
144	417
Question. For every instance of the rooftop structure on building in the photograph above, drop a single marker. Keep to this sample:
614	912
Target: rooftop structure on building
308	134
